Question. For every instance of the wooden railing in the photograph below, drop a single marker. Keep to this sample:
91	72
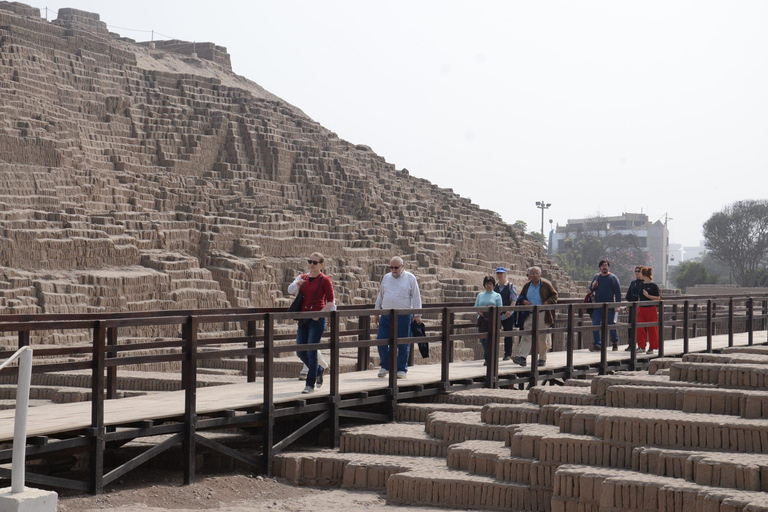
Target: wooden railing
257	337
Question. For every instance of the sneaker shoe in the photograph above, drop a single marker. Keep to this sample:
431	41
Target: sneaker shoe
649	351
308	390
383	373
505	358
402	375
615	347
320	371
594	348
303	375
542	363
641	351
627	349
521	361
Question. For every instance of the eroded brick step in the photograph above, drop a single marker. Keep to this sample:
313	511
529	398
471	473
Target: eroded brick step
601	383
509	414
391	439
453	427
589	488
734	402
569	395
484	396
419	412
744	471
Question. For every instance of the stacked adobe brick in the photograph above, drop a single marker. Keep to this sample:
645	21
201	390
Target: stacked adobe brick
691	435
107	157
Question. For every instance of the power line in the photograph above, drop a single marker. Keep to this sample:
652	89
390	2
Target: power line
153	32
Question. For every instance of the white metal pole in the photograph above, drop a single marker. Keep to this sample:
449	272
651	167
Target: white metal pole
20	421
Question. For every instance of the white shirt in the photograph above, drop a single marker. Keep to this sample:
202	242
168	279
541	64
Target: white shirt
399	292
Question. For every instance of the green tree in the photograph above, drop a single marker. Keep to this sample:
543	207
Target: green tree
521	225
738	235
690	273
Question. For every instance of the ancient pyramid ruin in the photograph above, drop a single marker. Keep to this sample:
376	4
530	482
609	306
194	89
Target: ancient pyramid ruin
139	176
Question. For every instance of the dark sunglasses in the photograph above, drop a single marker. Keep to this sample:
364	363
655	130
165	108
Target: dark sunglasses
395	268
313	262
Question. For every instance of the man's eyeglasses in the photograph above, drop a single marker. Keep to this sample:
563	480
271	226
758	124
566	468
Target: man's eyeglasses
395	267
313	262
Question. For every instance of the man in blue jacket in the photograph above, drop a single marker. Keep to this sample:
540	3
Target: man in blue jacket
606	288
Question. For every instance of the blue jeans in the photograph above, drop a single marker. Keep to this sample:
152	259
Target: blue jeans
309	334
403	351
597	319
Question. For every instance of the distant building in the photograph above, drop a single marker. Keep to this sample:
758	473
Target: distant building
653	236
676	254
693	252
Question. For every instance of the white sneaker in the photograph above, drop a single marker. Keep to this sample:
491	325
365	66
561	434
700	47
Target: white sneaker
383	373
402	375
308	390
640	351
303	375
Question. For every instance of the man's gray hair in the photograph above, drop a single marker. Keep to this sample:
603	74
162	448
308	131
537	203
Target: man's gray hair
534	268
398	259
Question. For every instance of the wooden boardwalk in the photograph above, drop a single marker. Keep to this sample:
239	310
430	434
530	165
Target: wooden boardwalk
49	420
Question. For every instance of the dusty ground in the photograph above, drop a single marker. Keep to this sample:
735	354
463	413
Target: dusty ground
156	491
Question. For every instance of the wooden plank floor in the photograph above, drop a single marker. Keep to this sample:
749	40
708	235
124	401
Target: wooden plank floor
57	418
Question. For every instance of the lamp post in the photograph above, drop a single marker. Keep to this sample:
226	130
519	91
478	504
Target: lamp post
543	206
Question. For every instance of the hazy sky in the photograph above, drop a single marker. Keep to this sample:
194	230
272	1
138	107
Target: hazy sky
609	107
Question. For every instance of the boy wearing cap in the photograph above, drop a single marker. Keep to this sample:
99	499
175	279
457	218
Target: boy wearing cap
508	294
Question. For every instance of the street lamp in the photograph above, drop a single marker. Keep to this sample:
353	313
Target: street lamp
543	206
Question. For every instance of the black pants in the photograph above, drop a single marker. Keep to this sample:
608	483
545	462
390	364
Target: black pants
508	325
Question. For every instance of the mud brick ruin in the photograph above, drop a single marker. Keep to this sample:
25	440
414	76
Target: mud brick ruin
688	435
134	176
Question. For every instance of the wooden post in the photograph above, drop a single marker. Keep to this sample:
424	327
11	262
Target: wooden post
97	430
112	370
604	341
686	327
730	322
492	342
750	321
535	346
190	398
364	353
268	408
392	365
335	396
633	312
445	352
250	369
661	328
569	343
709	325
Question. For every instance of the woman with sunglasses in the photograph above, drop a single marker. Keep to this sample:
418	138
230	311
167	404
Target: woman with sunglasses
318	296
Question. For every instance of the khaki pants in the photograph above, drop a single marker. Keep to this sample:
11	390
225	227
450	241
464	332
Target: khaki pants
545	340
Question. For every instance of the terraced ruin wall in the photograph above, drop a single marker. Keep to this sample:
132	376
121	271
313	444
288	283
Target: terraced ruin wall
136	177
